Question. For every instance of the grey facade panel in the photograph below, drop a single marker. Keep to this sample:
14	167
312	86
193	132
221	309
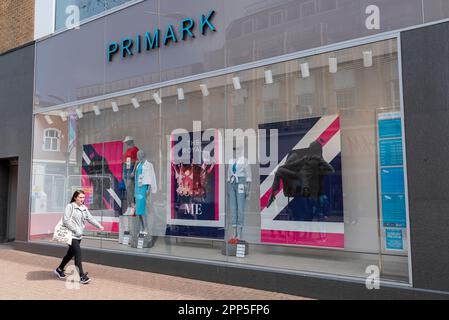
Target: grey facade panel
425	54
16	109
247	31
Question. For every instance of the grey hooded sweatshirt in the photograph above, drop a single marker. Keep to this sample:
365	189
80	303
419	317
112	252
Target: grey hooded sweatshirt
75	217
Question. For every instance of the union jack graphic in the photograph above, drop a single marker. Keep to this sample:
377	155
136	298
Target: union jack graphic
301	220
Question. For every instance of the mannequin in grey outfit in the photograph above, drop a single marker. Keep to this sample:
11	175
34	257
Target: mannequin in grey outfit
127	169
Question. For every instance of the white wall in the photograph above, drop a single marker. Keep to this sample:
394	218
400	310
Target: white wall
44	18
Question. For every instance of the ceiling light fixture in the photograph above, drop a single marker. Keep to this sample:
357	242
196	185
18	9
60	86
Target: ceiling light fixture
157	98
114	106
268	77
135	103
79	113
305	71
97	110
48	119
204	90
367	59
333	65
236	83
63	116
181	94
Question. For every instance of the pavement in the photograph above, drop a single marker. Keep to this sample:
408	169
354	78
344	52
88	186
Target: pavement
26	276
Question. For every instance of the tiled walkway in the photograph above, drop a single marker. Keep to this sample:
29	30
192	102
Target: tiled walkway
28	276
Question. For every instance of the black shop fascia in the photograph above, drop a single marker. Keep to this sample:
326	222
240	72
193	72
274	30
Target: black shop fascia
186	29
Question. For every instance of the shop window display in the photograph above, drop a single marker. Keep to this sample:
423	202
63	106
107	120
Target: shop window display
178	175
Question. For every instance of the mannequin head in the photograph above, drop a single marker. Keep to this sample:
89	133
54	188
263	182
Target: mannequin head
238	149
129	141
315	149
141	155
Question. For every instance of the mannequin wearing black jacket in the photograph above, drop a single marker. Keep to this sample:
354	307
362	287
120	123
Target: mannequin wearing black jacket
302	174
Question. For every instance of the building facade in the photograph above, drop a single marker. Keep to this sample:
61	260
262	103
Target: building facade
283	141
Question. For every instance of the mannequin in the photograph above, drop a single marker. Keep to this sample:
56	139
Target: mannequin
239	184
145	183
128	164
129	161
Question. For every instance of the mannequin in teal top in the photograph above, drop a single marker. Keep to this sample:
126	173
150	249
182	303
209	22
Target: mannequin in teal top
142	189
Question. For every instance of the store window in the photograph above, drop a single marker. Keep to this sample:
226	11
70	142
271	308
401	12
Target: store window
52	140
296	166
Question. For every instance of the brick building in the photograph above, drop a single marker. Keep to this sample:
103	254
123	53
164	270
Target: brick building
16	23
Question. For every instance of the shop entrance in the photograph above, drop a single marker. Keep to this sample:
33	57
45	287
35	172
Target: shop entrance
8	199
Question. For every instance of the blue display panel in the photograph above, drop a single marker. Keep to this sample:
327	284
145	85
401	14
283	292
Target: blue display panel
393	239
391	152
393	210
390	128
392	181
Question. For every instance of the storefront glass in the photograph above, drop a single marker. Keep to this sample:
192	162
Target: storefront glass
87	9
316	181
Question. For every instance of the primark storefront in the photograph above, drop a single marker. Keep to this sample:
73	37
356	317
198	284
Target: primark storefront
270	144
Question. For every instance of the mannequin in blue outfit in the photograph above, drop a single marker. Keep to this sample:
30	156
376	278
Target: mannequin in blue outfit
239	184
145	183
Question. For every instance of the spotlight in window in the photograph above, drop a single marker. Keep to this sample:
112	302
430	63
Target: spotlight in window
236	83
181	94
157	98
268	77
63	116
114	106
305	72
367	59
333	65
204	90
79	113
135	103
97	110
48	119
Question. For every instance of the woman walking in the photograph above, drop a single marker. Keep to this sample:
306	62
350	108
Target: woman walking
75	215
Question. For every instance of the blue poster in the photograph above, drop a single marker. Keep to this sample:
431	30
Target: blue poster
391	153
392	181
393	210
393	239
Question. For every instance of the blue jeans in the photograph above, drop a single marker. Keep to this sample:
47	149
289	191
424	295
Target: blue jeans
237	200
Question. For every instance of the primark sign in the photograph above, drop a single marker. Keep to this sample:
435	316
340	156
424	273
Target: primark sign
186	29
